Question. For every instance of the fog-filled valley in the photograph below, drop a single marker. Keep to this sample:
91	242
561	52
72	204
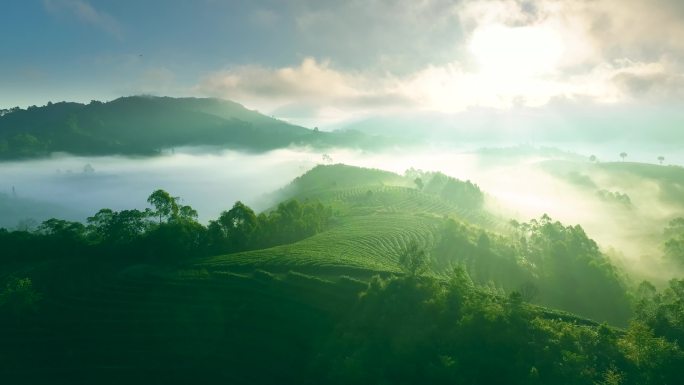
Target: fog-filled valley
624	206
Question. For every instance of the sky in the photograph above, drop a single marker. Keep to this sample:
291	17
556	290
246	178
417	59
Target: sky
329	62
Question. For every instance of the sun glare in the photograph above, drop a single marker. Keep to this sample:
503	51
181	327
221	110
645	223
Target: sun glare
515	52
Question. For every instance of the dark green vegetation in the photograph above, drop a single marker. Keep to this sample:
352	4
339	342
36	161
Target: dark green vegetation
145	125
358	276
168	232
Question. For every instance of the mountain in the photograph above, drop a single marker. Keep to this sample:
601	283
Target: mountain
144	125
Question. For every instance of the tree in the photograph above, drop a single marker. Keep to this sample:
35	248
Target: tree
674	244
419	183
19	297
528	291
592	158
414	260
164	204
650	354
623	155
98	224
238	225
661	159
187	213
120	227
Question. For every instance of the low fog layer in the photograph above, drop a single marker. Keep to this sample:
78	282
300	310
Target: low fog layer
522	183
208	182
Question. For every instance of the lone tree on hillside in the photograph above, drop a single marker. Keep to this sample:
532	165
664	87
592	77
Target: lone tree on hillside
419	183
414	260
623	155
661	159
592	158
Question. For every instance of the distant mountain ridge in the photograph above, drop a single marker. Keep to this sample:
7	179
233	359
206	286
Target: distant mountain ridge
144	125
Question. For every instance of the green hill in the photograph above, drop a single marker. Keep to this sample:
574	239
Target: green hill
379	216
144	125
498	303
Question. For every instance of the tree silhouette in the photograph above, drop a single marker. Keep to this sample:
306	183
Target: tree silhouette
419	183
661	159
164	204
238	224
414	260
623	155
592	158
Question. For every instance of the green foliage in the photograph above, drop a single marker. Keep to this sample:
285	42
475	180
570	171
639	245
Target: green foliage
164	204
19	299
414	260
657	360
118	227
240	229
409	331
144	125
235	228
615	197
465	194
174	240
419	183
663	311
571	268
169	232
674	244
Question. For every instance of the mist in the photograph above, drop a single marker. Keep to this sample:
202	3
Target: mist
521	183
526	182
209	182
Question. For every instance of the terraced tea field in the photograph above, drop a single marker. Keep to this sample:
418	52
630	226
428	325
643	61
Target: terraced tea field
358	243
373	224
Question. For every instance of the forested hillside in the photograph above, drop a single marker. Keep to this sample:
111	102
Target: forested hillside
355	276
146	125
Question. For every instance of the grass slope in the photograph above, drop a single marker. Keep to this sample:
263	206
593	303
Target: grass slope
378	213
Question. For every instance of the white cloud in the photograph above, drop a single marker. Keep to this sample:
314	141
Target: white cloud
510	53
312	86
86	13
318	88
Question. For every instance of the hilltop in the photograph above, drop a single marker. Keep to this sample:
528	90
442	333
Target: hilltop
145	125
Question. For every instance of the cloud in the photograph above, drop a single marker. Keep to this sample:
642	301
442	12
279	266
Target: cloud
434	55
653	80
86	13
310	86
396	35
317	89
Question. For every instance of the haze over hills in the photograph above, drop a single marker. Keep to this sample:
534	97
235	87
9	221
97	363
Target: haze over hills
146	125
